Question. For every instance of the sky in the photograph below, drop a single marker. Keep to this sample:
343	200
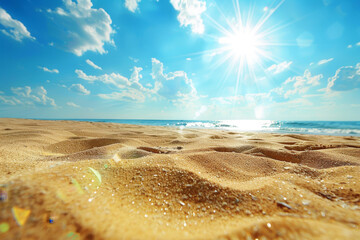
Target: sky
180	59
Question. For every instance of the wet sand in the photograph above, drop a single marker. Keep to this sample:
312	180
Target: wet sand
87	180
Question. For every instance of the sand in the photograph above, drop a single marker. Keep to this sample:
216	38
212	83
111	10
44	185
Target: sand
89	180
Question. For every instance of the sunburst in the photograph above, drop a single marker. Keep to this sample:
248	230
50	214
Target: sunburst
243	45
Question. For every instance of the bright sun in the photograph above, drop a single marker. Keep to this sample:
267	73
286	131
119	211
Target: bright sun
243	45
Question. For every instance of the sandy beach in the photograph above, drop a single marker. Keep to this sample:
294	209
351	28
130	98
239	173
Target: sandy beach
90	180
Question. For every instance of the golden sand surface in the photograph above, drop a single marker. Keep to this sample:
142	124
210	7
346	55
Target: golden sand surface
89	180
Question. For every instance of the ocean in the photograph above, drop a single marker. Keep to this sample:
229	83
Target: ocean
338	128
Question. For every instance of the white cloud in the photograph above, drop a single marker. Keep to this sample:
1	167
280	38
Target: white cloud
173	86
352	45
188	59
278	68
284	95
190	13
13	28
93	64
119	81
45	69
132	5
114	79
9	100
82	28
71	104
37	96
130	89
302	83
25	92
79	88
325	61
345	78
126	95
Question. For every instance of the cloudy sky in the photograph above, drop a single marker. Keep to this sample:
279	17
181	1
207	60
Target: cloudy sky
180	59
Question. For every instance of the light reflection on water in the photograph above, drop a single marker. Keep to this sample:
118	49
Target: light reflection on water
239	125
341	128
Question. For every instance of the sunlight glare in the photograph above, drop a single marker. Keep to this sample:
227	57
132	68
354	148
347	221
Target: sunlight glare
242	44
245	43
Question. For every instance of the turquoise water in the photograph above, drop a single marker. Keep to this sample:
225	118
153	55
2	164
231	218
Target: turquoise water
340	128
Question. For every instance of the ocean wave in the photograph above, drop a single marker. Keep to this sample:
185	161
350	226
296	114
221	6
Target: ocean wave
341	128
320	128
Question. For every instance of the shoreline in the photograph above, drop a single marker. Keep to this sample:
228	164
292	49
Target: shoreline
95	180
180	127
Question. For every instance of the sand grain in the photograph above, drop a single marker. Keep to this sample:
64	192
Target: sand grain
167	183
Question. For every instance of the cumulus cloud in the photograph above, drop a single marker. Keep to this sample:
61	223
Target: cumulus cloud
39	95
190	13
345	78
79	89
13	28
173	86
82	28
289	92
93	64
45	69
71	104
278	68
132	5
325	61
119	81
129	88
301	84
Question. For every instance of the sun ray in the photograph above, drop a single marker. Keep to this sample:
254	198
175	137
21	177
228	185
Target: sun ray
271	12
242	45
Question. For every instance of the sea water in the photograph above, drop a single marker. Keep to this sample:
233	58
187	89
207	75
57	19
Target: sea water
339	128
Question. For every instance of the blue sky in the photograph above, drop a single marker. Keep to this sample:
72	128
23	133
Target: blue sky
180	59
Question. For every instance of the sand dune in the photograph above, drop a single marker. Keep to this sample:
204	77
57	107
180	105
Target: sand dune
87	180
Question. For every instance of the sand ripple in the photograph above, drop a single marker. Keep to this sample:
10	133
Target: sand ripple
163	183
